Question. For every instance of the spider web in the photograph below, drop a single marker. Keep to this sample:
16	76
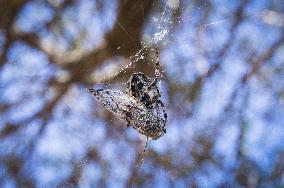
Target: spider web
162	37
158	38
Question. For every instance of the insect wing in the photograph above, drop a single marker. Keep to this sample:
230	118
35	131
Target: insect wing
135	113
120	104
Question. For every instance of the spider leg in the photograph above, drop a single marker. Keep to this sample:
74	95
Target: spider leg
157	71
128	125
164	114
157	66
93	91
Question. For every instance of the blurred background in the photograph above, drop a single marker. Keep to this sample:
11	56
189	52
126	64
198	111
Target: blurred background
223	86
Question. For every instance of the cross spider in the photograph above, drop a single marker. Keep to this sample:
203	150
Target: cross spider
140	105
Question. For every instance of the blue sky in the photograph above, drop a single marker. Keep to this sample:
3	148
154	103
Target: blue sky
78	120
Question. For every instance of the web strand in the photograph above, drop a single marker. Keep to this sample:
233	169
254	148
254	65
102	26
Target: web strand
143	153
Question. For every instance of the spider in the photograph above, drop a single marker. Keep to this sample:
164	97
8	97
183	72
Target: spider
140	106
